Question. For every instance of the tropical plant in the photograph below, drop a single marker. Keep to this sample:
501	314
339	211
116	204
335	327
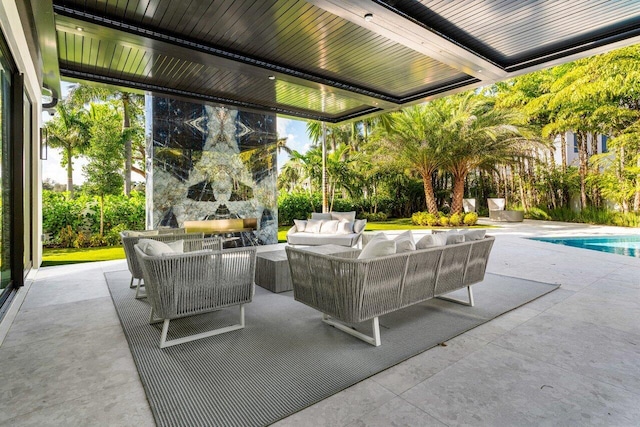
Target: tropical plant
69	131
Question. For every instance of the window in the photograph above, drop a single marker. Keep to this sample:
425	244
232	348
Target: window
604	143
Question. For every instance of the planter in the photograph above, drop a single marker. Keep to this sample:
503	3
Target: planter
469	205
506	216
496	204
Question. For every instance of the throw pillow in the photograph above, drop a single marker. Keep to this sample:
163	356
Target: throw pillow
176	246
142	233
404	242
425	242
329	227
300	224
154	247
318	215
377	248
471	235
348	216
313	226
345	227
452	239
359	225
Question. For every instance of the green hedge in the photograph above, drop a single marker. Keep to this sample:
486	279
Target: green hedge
76	222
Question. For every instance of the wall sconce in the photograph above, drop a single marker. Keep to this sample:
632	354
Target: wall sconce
44	144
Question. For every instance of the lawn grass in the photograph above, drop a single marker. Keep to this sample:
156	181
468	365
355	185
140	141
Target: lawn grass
73	256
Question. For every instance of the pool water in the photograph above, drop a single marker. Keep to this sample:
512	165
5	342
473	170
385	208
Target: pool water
622	245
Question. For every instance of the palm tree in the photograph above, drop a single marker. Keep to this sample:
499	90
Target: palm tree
415	135
131	108
477	134
68	131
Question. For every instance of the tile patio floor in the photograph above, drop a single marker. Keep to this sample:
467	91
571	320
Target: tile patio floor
569	358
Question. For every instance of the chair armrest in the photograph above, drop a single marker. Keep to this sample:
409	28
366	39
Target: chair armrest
292	230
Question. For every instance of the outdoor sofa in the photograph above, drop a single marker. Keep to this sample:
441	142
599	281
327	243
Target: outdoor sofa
348	289
181	284
333	228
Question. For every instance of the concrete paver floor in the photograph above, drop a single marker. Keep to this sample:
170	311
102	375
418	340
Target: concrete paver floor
569	358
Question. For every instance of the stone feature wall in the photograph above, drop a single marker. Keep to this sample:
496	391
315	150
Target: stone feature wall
207	162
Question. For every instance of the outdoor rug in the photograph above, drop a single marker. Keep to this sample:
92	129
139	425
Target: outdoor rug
285	359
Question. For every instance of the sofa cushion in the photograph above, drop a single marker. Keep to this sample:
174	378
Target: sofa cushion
345	227
349	216
300	224
319	215
404	242
176	246
133	233
359	225
313	226
157	248
377	247
430	240
315	239
329	227
471	235
453	239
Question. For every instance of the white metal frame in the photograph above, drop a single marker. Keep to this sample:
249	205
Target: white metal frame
165	329
373	340
468	303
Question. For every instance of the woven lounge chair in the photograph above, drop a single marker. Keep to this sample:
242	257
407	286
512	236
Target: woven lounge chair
181	285
132	261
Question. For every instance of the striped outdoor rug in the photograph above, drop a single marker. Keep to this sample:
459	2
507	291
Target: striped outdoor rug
285	359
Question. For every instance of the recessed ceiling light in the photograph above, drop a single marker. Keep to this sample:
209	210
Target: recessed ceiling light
368	17
479	71
272	77
79	28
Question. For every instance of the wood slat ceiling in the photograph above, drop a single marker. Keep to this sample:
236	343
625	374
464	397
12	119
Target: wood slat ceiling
328	62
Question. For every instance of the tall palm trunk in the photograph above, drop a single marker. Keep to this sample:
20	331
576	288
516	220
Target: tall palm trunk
430	198
583	157
70	179
126	124
101	215
458	191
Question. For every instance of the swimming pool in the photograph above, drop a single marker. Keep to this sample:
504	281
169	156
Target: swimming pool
622	245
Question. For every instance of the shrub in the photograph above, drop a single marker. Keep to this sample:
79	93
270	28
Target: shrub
444	221
67	237
455	219
432	220
294	206
373	217
83	240
419	218
470	218
112	238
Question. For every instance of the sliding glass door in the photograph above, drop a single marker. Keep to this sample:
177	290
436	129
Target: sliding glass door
5	173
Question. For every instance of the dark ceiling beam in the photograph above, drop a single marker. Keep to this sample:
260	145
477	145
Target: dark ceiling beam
372	97
400	28
138	87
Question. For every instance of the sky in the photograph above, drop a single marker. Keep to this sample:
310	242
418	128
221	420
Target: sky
294	130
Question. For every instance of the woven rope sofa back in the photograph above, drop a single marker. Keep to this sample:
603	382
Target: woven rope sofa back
355	290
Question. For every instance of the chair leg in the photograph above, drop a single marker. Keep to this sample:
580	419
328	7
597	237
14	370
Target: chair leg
468	303
131	285
153	319
165	329
138	294
373	340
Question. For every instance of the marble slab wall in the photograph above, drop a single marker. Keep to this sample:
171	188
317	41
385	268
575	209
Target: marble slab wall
207	162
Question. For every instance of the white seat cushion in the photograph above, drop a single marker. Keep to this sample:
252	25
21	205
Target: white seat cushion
378	247
300	224
329	227
313	226
156	248
345	227
404	242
